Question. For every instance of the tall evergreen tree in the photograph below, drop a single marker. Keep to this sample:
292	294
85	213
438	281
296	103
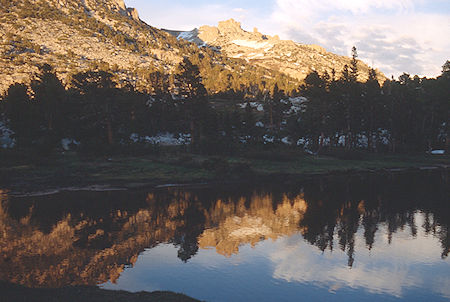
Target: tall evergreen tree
354	65
49	97
316	118
100	103
195	102
371	107
21	114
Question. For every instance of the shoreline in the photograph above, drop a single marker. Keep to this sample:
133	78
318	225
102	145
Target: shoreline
13	292
35	185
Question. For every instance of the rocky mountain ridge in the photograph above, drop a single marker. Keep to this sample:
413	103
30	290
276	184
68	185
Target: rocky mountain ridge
288	57
74	36
94	6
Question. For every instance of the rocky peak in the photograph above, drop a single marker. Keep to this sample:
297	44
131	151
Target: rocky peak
133	13
120	4
230	26
208	33
293	59
113	5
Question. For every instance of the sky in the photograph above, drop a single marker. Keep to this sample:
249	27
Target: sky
396	36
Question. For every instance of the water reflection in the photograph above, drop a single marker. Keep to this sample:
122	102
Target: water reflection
377	226
389	268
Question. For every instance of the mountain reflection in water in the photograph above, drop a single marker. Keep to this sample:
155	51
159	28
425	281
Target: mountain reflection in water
89	238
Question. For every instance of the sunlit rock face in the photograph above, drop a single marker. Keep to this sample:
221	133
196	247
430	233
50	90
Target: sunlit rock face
78	35
294	59
71	35
91	5
133	13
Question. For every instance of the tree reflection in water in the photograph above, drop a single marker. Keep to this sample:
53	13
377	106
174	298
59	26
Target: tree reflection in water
342	205
87	238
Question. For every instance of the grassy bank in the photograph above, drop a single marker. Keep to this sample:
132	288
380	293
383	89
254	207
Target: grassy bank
25	173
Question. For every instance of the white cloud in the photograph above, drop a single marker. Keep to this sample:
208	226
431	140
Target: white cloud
239	10
396	36
391	34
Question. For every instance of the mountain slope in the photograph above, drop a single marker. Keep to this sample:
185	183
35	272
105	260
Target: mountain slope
293	59
74	36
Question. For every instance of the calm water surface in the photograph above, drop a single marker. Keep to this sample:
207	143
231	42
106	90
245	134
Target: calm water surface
352	238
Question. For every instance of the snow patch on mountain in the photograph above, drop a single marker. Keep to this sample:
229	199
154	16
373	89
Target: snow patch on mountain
192	36
253	44
187	35
253	56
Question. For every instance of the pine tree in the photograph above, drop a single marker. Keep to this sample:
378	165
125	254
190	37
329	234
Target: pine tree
189	80
21	114
49	95
316	117
354	65
371	107
100	103
195	103
352	100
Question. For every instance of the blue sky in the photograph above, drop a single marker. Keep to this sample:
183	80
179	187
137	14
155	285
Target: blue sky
395	36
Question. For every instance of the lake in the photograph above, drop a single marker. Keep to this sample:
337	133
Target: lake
332	238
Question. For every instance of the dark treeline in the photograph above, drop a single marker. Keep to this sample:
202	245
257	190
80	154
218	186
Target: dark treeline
100	114
411	114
